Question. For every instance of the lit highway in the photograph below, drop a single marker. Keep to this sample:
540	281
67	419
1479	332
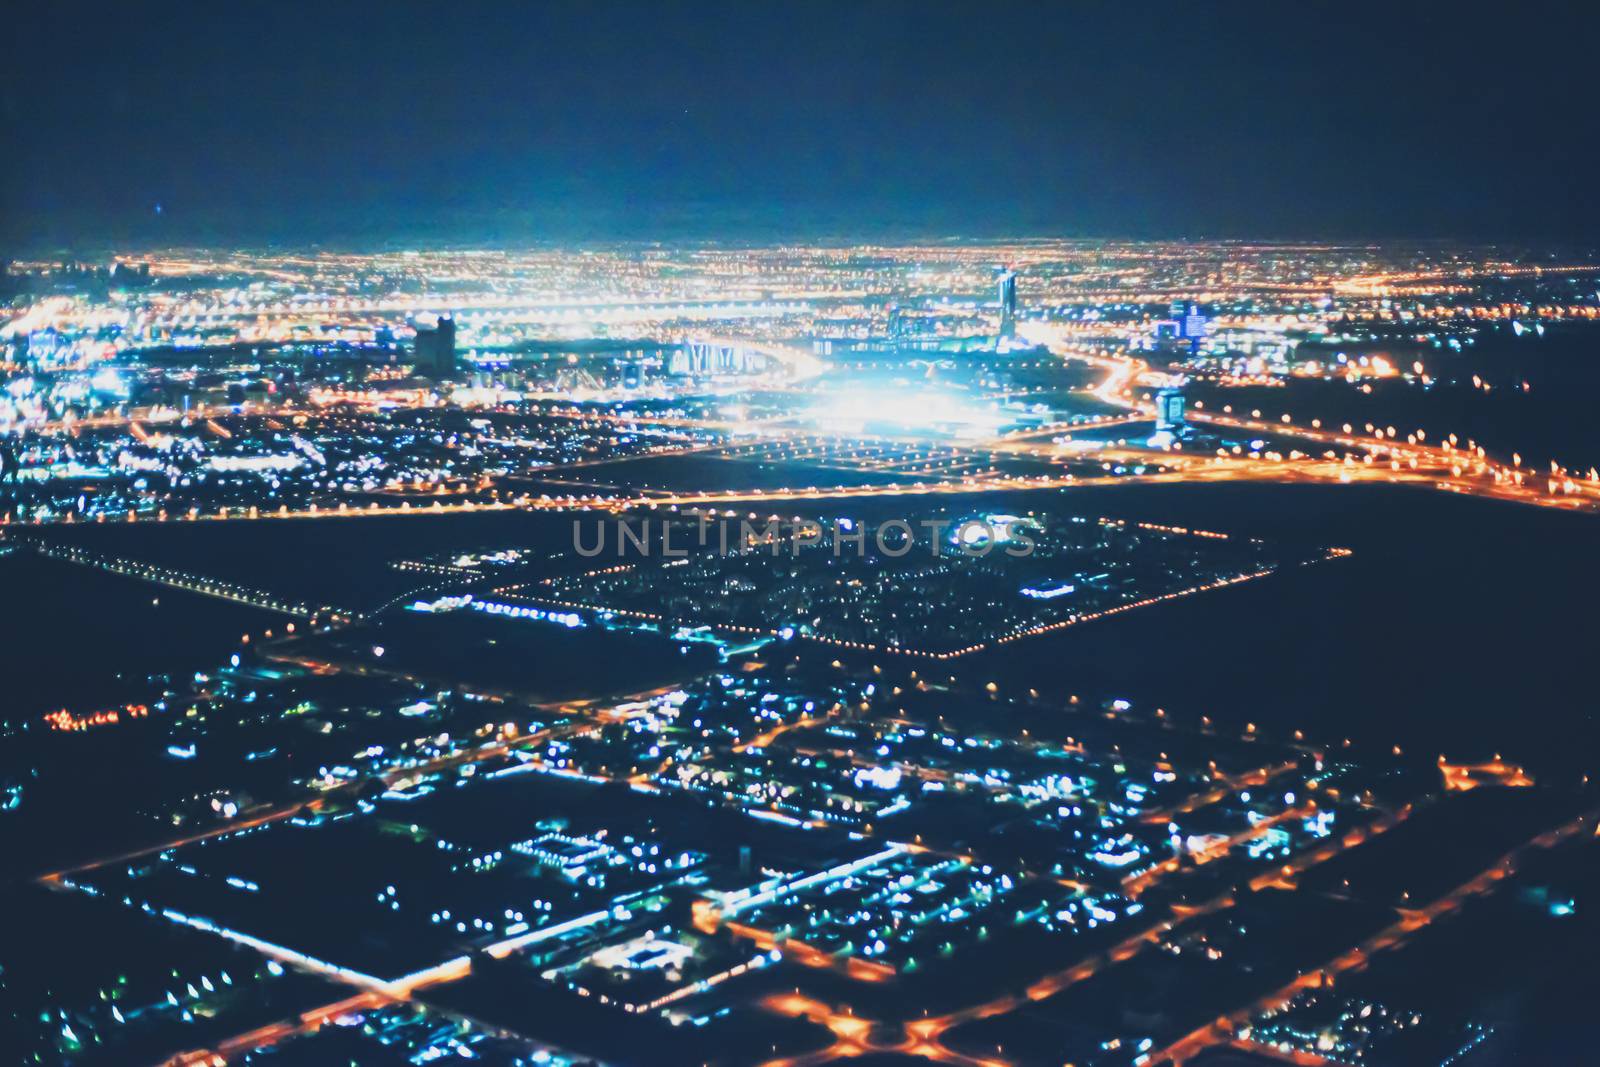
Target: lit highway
941	866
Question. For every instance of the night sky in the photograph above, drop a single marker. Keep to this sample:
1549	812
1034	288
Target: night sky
372	121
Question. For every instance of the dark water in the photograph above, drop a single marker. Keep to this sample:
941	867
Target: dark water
1552	419
530	660
1459	626
342	561
80	638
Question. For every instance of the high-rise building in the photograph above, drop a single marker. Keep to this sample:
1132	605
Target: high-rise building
1169	410
435	351
1007	287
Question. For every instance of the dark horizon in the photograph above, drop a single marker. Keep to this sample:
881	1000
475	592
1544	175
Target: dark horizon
515	124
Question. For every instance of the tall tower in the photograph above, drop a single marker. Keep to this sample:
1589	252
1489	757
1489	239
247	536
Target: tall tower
1169	410
1193	326
436	348
1006	285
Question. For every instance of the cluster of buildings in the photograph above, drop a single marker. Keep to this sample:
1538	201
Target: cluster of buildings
739	771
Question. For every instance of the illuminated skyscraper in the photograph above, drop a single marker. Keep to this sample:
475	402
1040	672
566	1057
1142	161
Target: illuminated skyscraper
897	322
1169	410
1007	286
